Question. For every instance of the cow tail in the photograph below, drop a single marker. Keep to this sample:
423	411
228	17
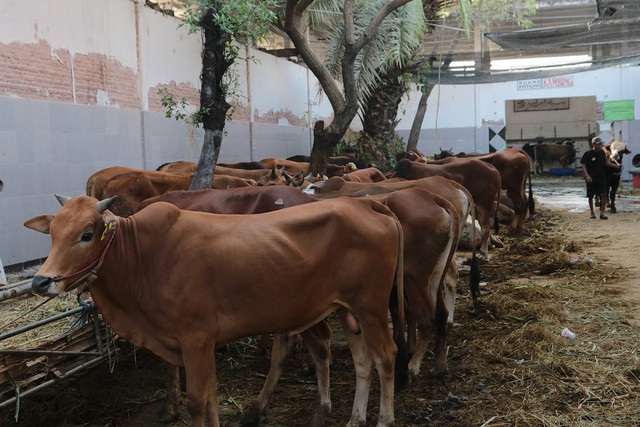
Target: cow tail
402	357
474	278
532	204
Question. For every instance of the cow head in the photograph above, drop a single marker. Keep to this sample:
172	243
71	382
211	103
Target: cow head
274	177
80	232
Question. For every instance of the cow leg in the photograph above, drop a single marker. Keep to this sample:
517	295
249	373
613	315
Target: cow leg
171	408
376	338
199	361
363	366
318	340
519	200
484	218
450	290
263	344
441	368
282	343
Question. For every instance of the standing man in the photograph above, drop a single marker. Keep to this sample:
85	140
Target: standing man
594	164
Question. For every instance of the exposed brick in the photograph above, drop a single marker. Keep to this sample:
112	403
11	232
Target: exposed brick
179	91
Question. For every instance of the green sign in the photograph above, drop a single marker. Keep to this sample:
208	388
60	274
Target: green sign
618	110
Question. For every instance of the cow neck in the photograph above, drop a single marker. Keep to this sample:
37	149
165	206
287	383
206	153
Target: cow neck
120	262
114	291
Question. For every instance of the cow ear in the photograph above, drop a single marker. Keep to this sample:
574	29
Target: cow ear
40	223
297	179
110	223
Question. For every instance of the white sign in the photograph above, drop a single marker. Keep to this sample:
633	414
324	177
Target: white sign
547	83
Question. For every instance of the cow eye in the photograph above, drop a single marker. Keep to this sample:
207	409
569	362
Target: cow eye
87	236
259	184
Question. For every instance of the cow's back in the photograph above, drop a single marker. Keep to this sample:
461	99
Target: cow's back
234	201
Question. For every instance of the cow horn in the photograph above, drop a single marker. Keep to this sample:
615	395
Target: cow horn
103	205
62	199
273	174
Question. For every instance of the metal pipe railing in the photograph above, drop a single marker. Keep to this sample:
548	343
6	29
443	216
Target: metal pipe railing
44	322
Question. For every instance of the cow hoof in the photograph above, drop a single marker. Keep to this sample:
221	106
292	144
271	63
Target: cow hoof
613	209
169	416
320	417
251	417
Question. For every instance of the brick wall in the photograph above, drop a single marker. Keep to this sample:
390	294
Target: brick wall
36	71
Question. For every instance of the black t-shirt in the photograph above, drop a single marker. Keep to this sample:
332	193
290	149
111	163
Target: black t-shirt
595	162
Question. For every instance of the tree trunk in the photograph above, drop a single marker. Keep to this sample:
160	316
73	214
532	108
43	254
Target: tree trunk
212	97
379	119
412	143
324	140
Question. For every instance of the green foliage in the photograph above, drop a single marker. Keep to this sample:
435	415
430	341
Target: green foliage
398	38
382	154
243	22
482	12
179	109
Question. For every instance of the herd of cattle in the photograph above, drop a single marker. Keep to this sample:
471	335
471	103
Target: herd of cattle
183	272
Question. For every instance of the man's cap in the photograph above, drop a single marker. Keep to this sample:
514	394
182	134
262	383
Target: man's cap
596	140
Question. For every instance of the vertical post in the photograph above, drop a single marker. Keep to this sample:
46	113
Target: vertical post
140	93
249	106
3	277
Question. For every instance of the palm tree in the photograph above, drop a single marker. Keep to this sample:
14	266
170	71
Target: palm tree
360	24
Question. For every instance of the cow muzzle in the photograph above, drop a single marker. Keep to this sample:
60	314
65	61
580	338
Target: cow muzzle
43	285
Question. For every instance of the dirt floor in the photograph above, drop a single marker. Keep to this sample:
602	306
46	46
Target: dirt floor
508	363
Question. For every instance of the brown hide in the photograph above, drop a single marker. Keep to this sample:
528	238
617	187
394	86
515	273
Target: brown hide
98	181
365	175
289	165
243	165
480	178
514	166
450	190
249	200
134	187
431	229
180	166
178	283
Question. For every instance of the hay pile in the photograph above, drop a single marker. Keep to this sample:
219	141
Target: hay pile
22	311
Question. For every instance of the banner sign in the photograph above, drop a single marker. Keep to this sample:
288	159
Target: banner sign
619	110
547	83
543	104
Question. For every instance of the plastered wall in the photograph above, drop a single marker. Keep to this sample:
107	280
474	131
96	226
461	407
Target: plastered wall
79	84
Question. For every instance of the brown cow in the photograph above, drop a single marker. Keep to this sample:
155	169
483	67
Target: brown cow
180	166
450	190
431	229
480	178
289	165
365	175
134	187
98	181
514	166
176	281
253	200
